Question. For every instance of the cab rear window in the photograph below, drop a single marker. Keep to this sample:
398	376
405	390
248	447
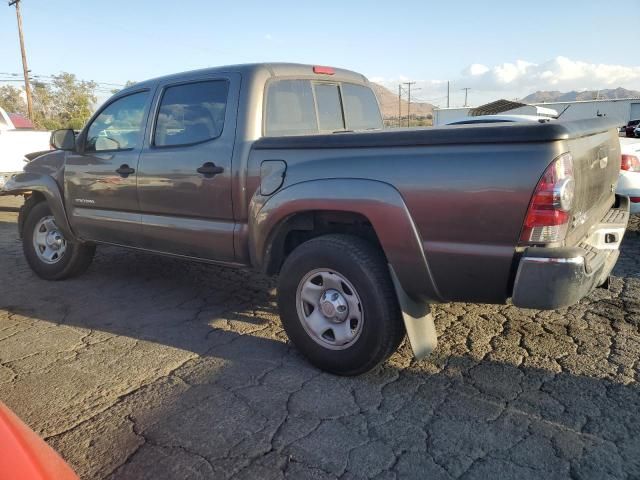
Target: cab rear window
329	107
306	107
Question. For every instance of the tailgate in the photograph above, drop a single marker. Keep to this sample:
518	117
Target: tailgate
596	166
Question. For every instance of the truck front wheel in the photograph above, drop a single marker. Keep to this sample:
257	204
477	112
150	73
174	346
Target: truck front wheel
49	254
338	305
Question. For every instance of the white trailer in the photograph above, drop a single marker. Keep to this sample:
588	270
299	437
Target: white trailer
15	143
621	110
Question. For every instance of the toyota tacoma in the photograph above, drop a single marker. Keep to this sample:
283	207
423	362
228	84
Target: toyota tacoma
286	169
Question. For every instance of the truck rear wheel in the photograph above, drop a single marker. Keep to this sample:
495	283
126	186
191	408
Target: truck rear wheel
49	254
338	305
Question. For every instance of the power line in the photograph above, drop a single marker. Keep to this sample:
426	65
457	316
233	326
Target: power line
51	77
48	82
428	100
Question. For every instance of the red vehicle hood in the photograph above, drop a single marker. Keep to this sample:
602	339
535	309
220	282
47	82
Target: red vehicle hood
24	455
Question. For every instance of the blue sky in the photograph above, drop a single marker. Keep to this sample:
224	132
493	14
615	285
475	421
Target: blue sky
496	48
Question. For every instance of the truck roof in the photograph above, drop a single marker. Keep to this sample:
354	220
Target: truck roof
270	69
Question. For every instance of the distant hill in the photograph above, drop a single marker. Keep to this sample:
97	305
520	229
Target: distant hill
555	96
389	104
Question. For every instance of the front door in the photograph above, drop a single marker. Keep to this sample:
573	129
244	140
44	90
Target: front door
100	178
184	176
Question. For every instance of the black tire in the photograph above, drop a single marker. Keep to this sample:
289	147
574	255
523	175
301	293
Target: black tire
364	266
75	260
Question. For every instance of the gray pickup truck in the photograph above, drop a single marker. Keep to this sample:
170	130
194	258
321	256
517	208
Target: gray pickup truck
286	168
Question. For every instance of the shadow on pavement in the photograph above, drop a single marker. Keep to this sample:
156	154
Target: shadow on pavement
219	392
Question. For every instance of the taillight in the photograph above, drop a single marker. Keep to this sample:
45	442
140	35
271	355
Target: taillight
630	163
548	215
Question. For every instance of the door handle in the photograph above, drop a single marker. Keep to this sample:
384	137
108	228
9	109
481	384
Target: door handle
125	170
210	170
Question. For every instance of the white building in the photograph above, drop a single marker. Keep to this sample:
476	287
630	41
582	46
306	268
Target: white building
622	110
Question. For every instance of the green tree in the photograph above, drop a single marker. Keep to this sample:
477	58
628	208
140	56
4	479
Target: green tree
74	100
44	111
11	99
66	102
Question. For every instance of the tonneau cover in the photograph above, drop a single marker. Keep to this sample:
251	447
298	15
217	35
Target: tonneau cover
447	135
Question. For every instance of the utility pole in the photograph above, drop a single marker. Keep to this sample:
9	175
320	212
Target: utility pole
408	84
27	86
399	105
466	93
448	93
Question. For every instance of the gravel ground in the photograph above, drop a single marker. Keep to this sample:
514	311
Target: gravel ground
149	367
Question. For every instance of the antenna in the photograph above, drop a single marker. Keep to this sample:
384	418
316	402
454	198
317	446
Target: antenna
565	109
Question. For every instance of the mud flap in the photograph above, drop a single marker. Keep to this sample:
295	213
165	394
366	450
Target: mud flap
418	321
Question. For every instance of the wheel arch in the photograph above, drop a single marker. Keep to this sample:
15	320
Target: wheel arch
40	188
376	207
304	225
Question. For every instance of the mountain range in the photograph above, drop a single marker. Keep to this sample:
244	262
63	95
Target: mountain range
556	96
389	100
389	104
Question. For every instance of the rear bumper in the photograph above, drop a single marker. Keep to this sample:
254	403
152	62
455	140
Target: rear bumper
550	278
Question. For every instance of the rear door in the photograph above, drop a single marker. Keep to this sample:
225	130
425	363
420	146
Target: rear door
100	177
184	177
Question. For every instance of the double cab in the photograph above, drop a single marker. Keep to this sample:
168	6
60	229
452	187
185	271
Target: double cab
287	169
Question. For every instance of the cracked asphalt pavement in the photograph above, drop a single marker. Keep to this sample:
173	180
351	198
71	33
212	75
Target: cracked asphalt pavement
149	367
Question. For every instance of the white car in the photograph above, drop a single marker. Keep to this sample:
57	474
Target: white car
629	180
636	131
16	141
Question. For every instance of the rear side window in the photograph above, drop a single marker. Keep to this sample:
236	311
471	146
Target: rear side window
290	109
191	113
305	107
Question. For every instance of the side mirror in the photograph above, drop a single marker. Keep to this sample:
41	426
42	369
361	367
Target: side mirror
64	139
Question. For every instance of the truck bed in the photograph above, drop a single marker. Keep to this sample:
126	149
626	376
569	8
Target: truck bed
467	187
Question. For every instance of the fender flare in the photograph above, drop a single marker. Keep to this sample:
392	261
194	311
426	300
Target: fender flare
47	186
377	201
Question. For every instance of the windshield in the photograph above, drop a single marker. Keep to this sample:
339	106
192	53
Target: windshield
306	107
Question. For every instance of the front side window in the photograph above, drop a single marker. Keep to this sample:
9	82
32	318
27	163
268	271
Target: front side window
119	126
191	113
